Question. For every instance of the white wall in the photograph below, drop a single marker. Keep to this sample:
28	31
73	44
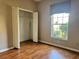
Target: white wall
45	28
6	37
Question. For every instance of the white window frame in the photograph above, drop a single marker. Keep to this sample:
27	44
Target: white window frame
52	29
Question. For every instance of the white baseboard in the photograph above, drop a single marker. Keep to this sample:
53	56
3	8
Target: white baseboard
68	48
3	50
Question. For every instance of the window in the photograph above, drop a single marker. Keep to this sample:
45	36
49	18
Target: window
59	25
60	13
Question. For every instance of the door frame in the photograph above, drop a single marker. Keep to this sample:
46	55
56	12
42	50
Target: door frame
15	23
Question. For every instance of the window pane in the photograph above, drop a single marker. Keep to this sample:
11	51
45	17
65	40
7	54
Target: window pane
60	15
60	20
64	30
54	18
65	18
56	31
60	31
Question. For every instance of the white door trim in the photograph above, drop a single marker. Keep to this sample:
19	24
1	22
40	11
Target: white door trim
35	26
15	23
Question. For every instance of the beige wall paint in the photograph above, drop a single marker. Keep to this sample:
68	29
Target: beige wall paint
45	28
25	4
5	26
25	29
6	40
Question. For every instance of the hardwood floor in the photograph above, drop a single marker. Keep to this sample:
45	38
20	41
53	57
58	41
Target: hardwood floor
30	50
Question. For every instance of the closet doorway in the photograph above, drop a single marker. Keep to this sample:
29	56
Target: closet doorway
25	26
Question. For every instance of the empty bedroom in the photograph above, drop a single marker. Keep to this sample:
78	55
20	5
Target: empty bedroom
39	29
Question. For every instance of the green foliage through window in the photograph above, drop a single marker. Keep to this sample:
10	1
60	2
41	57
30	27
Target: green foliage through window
59	25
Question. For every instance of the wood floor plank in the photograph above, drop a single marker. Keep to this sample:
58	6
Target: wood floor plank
31	50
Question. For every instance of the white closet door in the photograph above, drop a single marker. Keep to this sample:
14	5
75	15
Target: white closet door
35	26
15	23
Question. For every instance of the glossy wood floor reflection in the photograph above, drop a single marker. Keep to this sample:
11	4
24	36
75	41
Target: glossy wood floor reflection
30	50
